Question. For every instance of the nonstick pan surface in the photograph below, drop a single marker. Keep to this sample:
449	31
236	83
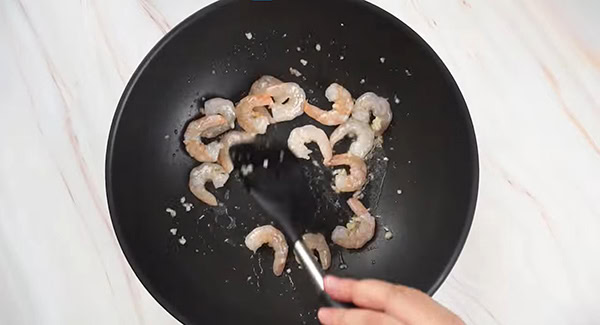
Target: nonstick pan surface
429	154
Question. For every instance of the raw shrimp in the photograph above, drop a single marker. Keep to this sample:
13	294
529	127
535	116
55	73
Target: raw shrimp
221	107
264	82
205	173
229	139
250	120
275	239
358	172
317	242
288	101
342	106
365	137
380	108
358	231
193	142
309	133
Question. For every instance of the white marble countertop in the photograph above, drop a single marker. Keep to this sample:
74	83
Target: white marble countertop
530	73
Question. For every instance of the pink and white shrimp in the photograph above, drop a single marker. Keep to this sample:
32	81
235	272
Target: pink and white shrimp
195	131
317	242
275	239
369	103
358	231
221	107
305	134
288	101
229	139
342	106
204	173
251	120
345	182
264	82
361	131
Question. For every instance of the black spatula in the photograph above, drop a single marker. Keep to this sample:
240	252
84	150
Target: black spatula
274	177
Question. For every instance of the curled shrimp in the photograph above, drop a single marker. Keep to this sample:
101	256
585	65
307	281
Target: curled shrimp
193	142
274	238
229	139
305	134
317	242
342	106
251	120
288	101
264	82
358	173
204	173
369	103
221	107
358	231
361	131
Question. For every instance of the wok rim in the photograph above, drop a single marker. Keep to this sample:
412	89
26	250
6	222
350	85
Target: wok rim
198	15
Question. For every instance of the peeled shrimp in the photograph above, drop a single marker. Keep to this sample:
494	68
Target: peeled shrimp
342	106
229	139
251	120
205	173
275	239
221	107
317	242
365	137
358	173
305	134
358	231
264	82
288	101
193	142
380	108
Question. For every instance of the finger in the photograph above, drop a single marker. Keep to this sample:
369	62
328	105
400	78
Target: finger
340	316
409	305
339	289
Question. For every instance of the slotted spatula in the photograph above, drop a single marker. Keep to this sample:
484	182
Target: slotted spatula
273	176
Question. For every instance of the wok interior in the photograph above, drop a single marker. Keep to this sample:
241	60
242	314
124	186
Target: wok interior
213	278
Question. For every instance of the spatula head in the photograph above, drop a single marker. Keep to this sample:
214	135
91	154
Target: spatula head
274	177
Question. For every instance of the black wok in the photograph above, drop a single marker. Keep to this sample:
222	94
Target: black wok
212	279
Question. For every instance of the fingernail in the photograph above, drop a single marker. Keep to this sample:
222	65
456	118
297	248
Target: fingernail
332	282
325	315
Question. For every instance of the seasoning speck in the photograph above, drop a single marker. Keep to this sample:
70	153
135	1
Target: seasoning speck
182	200
288	271
382	59
247	169
399	192
388	234
266	163
295	72
342	24
362	81
318	47
298	49
173	231
386	158
284	35
249	35
167	136
171	212
188	206
213	72
304	62
407	72
182	240
396	99
341	57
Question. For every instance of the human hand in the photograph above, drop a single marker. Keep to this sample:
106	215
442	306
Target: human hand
382	303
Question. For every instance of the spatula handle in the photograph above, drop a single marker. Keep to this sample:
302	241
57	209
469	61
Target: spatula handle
314	270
